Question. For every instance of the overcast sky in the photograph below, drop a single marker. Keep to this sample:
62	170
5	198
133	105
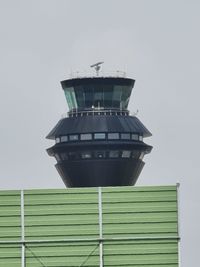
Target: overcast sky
156	42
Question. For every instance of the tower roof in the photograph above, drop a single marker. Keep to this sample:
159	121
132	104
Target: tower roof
99	123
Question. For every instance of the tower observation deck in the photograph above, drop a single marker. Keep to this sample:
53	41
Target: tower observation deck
99	143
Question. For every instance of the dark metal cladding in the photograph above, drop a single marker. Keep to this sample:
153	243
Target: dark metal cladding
99	144
97	81
100	123
100	173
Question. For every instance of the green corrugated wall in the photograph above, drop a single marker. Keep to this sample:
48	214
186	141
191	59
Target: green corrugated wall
61	227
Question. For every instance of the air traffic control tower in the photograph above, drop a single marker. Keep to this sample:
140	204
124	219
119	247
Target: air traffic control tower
99	143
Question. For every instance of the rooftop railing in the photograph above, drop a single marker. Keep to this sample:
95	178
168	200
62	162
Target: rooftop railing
83	74
76	113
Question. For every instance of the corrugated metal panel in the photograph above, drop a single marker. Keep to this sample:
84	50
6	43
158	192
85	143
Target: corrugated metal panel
10	215
140	253
140	213
54	214
139	227
61	214
10	255
59	254
10	228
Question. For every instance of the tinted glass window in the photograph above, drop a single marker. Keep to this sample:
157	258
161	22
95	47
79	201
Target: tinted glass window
126	92
113	136
80	96
141	138
108	93
64	138
100	154
86	155
116	99
98	96
86	136
126	154
114	154
88	96
73	137
125	136
57	139
99	136
70	97
134	137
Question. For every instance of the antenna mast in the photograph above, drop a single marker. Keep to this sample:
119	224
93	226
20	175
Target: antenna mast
97	67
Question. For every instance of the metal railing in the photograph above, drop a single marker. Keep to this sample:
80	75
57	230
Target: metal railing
90	74
94	112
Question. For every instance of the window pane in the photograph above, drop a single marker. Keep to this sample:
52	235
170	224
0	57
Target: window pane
114	154
126	92
108	93
134	137
113	136
98	97
86	136
57	139
73	137
141	138
88	96
64	138
99	136
79	96
100	154
73	98
70	97
86	155
117	93
125	136
126	154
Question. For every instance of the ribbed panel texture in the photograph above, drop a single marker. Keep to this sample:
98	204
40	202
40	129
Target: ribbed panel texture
61	227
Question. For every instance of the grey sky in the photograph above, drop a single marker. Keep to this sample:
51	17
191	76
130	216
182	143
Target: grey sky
155	42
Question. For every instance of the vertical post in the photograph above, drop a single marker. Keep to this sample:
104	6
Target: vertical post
178	218
100	228
22	231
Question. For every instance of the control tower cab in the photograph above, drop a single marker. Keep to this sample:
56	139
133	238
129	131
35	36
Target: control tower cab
99	143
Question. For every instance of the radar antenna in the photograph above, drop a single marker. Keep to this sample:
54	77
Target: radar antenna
97	67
